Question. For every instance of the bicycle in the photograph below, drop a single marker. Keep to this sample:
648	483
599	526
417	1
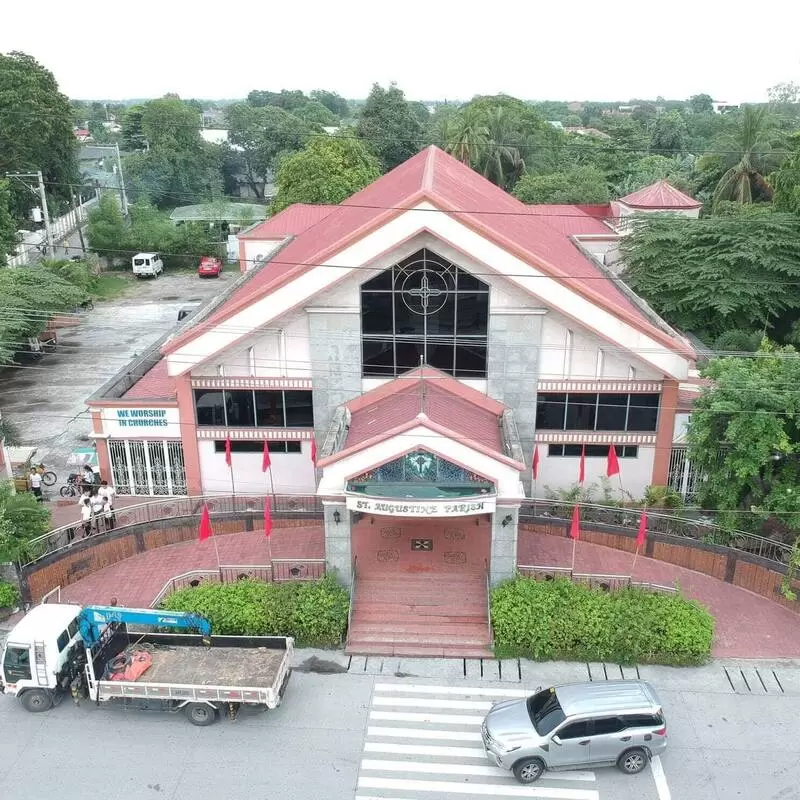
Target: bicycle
72	488
49	478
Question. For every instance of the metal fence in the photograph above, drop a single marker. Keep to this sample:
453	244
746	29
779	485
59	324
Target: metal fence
559	512
608	583
173	508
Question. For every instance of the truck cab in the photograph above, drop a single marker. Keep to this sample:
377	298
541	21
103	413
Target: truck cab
36	658
147	265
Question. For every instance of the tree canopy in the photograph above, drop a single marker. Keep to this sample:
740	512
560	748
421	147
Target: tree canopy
389	126
8	226
327	170
35	130
786	180
744	436
578	185
718	273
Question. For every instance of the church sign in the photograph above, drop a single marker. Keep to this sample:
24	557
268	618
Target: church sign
461	507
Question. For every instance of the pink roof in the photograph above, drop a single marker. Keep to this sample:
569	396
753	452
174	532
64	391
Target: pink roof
155	384
660	195
576	220
455	189
292	221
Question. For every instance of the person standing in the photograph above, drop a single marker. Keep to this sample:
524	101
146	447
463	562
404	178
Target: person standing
35	482
86	514
108	494
97	506
88	476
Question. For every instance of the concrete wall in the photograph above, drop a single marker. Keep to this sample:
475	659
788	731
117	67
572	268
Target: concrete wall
503	561
338	543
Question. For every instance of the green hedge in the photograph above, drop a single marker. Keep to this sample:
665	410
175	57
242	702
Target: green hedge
313	612
9	595
568	621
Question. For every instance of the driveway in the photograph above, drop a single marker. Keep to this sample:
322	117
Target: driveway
46	401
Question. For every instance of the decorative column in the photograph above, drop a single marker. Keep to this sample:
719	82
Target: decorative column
665	433
191	452
338	547
505	524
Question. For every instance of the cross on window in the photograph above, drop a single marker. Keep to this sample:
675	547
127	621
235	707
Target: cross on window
425	292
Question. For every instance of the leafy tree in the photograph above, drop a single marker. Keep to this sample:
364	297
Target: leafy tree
646	171
335	103
718	273
35	130
744	437
328	170
389	126
787	92
701	103
577	185
8	225
669	133
285	99
133	137
264	133
748	155
786	180
22	518
315	113
107	231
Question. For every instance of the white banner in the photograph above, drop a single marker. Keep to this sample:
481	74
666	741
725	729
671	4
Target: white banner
146	423
422	508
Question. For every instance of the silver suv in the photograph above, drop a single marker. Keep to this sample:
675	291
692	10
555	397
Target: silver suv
575	726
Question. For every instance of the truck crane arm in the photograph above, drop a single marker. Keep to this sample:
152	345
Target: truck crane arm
93	619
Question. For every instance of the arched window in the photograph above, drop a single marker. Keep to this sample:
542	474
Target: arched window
424	308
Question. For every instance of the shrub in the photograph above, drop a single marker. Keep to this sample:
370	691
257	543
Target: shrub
314	612
562	620
9	595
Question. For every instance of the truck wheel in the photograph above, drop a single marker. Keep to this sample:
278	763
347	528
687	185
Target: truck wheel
36	700
200	714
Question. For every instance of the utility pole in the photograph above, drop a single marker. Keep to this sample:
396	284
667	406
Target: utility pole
121	181
48	231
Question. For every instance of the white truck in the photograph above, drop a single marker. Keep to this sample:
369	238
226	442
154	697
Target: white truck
147	265
108	653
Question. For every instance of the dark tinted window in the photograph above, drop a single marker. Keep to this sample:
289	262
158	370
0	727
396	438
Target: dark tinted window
240	409
72	629
257	446
612	412
643	720
62	641
17	664
592	450
581	412
545	712
210	407
299	409
575	730
285	447
607	725
378	357
643	412
269	409
550	411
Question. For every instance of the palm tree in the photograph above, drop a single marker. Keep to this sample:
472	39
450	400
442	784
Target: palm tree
467	138
501	161
749	156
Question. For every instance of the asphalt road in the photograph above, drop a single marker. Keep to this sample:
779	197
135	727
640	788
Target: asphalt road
380	737
44	400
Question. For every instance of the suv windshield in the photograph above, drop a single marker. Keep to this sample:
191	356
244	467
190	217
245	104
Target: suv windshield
545	711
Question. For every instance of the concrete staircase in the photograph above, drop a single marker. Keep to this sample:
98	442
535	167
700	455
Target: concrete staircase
433	614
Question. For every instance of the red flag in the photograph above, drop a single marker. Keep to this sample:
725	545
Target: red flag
267	519
536	462
205	525
612	466
642	534
575	528
228	452
582	467
314	451
266	463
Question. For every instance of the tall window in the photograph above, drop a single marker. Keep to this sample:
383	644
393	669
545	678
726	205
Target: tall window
248	408
424	308
582	411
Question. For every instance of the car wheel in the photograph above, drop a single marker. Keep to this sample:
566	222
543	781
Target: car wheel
37	700
200	714
633	761
529	770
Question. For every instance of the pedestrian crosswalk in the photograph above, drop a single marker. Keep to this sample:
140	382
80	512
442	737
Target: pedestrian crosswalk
424	741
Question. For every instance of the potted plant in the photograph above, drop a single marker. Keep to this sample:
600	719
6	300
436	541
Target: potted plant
9	597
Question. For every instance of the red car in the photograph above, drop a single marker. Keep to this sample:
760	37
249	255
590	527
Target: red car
210	267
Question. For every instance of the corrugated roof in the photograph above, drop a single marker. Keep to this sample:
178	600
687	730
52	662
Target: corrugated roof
291	221
660	195
155	384
230	212
454	188
576	220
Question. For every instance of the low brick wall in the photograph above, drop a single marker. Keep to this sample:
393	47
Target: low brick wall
758	575
87	556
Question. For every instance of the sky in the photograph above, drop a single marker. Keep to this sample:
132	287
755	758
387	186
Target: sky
433	50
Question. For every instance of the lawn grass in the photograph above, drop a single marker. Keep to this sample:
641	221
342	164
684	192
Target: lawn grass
109	287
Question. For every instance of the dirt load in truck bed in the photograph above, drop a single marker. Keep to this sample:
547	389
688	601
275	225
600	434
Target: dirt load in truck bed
214	666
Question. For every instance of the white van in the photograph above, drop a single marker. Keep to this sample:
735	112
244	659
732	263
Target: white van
147	264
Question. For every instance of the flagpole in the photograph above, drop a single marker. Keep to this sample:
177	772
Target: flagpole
639	540
270	500
574	542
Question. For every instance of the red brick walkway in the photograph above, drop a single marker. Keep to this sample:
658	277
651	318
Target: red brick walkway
137	580
748	625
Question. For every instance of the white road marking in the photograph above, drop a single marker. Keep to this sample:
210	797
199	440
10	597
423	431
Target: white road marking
423	733
660	779
425	750
486	771
491	790
433	702
441	719
478	691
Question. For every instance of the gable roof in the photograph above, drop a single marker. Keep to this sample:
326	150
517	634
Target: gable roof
155	384
660	195
425	397
457	190
292	221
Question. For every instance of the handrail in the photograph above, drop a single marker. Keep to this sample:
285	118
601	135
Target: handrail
353	577
488	602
